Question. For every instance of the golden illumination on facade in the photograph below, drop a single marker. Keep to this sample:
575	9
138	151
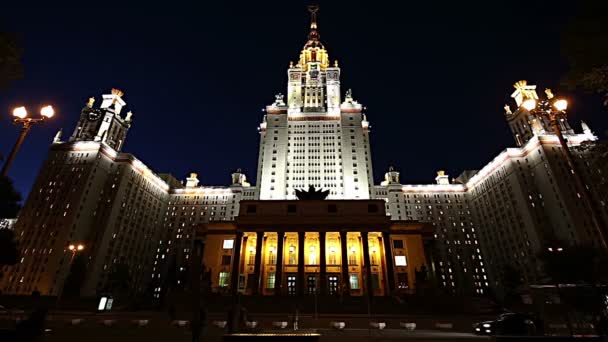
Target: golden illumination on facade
280	255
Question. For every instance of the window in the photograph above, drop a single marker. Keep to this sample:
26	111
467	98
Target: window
354	281
251	209
375	281
352	258
292	255
398	243
251	260
272	257
228	244
226	260
224	279
270	280
312	257
400	260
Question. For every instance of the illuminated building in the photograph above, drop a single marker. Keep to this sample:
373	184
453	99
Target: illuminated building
287	247
314	138
88	191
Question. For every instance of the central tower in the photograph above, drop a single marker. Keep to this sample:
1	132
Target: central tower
314	138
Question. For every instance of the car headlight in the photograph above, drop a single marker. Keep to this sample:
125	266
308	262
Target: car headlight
486	325
488	331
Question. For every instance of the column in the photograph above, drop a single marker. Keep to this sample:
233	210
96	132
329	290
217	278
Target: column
344	254
367	264
258	263
236	269
278	280
323	264
389	262
301	261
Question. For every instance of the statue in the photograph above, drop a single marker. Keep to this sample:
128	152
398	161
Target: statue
91	102
279	99
508	110
129	115
549	93
58	136
311	194
349	94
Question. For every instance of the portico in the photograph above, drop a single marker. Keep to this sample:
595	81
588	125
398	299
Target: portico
340	247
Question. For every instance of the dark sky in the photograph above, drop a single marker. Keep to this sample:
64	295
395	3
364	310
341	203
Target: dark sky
196	76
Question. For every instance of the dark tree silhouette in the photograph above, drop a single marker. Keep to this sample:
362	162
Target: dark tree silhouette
9	199
76	276
119	280
578	264
11	68
584	46
9	253
512	282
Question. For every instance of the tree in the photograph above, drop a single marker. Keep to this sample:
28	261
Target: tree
9	199
11	68
76	276
577	264
512	281
584	46
9	253
119	280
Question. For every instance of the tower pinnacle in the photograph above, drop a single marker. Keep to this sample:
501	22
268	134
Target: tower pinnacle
313	35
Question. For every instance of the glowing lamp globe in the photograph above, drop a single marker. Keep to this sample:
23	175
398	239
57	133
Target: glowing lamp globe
20	112
529	104
47	112
560	105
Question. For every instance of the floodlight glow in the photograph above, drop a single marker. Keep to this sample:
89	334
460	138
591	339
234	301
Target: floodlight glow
20	112
47	112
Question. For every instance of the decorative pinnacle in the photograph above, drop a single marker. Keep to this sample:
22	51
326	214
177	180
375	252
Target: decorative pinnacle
117	92
313	35
520	84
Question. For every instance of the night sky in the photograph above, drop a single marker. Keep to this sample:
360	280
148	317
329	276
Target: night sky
196	76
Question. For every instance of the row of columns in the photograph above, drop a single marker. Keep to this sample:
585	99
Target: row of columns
389	273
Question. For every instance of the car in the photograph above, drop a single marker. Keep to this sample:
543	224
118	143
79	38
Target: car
510	323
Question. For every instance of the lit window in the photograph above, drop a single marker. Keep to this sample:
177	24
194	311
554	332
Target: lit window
224	279
354	281
270	280
228	244
400	260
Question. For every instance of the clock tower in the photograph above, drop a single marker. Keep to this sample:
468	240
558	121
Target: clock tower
104	124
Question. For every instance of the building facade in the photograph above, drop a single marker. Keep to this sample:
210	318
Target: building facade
89	192
286	247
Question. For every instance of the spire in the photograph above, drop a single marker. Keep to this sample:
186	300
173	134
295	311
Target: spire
313	35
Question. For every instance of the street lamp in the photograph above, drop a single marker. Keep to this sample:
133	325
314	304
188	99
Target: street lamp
554	110
20	117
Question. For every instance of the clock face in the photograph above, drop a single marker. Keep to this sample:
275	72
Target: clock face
314	73
93	115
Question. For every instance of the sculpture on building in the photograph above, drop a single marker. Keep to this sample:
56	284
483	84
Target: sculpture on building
311	194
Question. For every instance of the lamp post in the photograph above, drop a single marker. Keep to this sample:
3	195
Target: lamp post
20	117
554	110
74	248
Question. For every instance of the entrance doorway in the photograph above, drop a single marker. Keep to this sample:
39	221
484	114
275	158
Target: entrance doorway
291	285
332	284
311	284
